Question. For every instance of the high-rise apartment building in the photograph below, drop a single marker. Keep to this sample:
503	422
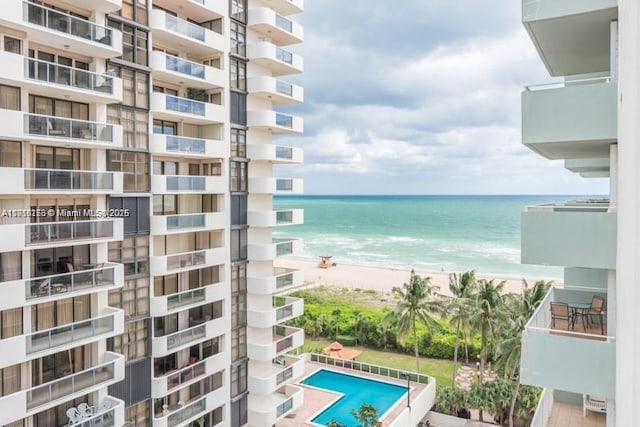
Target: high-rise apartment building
136	189
589	120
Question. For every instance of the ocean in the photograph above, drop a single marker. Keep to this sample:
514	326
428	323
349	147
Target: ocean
433	233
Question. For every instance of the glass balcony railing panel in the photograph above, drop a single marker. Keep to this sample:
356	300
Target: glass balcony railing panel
284	280
184	298
185	105
60	127
284	88
186	260
50	72
181	144
186	336
60	179
283	312
284	184
283	247
284	24
183	66
185	28
284	344
284	217
175	222
283	408
59	21
49	232
47	286
65	386
186	412
284	375
186	374
284	120
284	56
66	334
185	183
284	152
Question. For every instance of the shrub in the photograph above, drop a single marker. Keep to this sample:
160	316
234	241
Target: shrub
347	340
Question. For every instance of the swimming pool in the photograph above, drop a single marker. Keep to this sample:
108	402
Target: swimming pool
356	391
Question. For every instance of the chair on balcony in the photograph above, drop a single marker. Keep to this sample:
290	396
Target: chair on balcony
598	309
560	311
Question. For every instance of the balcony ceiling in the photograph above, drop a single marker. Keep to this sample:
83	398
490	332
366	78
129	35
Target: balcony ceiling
571	36
598	167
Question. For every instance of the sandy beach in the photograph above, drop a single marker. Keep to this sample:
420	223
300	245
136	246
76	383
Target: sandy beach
383	278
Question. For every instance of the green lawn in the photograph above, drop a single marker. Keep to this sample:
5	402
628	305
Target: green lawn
440	369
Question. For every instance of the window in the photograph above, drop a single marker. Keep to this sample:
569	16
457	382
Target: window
238	343
165	325
136	10
10	323
58	107
238	175
206	349
138	414
10	266
135	167
238	10
57	158
137	211
135	125
204	313
238	38
133	298
133	252
45	262
135	42
135	85
134	343
238	310
10	154
239	412
238	209
169	284
238	244
238	108
238	142
238	74
55	417
12	45
9	380
164	127
10	97
238	379
52	314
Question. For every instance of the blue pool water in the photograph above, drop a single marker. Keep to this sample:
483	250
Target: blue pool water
356	391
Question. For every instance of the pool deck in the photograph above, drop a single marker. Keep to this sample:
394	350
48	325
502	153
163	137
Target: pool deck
315	399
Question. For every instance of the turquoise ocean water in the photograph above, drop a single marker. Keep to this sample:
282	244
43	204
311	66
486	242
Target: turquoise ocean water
453	233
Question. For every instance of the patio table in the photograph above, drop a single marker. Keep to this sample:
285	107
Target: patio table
581	309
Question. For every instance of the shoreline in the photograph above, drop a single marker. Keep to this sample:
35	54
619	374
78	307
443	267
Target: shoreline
383	278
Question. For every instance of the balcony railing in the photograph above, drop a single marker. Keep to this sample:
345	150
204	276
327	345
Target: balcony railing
284	152
176	222
184	66
46	286
185	375
43	394
284	184
284	56
183	144
284	120
284	217
284	280
50	72
284	24
283	247
185	183
284	88
185	105
186	260
284	407
67	334
60	179
97	416
60	127
185	28
185	298
284	375
184	337
49	232
186	412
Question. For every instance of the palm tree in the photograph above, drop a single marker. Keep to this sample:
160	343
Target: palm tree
415	302
520	309
336	319
462	287
367	415
357	323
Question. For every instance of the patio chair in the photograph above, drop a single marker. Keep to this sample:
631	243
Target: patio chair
560	311
598	309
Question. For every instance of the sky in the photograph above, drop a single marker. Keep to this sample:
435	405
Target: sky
419	97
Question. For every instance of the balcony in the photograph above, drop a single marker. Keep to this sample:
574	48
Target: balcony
169	224
589	168
275	218
268	409
186	73
281	310
109	370
279	61
187	412
177	263
277	91
50	27
559	357
265	378
569	235
165	304
572	36
188	148
110	413
204	10
169	30
59	181
275	153
286	7
281	279
277	28
264	348
272	121
169	184
190	111
264	185
171	381
163	345
571	120
270	251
